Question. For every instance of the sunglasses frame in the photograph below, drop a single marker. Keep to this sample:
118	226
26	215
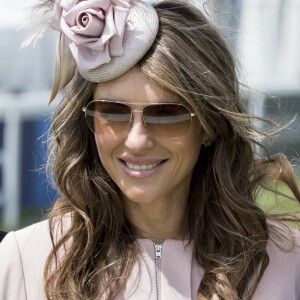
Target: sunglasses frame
192	114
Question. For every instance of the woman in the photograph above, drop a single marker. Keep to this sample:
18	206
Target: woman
153	154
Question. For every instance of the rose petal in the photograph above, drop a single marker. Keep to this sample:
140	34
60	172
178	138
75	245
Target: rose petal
95	11
111	34
93	28
121	3
68	4
89	59
67	31
71	15
73	20
110	29
104	4
120	16
115	44
55	22
81	40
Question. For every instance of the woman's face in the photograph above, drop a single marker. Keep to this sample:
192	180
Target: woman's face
147	168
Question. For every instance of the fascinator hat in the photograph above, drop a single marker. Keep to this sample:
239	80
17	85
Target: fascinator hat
102	39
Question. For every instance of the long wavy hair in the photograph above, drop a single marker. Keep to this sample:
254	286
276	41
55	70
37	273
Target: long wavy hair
229	231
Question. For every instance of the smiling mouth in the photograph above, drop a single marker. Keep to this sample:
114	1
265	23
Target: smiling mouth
142	167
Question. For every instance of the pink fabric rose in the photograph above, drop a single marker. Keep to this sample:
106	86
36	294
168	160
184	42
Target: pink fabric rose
95	29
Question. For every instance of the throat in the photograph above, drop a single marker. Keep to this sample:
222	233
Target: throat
159	230
159	220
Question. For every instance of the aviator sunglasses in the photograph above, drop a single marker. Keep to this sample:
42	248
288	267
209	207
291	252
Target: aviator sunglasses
167	120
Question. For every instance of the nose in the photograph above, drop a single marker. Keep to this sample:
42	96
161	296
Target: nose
139	138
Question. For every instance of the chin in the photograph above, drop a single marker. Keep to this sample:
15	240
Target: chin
139	197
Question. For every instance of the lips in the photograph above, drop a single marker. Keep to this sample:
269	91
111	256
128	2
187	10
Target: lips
143	168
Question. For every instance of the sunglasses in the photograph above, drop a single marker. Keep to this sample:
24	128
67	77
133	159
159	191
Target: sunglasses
167	120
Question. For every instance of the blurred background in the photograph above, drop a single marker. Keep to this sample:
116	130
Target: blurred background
265	37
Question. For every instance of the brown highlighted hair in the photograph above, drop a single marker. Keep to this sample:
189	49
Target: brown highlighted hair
230	232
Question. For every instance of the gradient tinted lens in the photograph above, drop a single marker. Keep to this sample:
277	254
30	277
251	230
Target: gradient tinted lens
167	120
164	120
107	118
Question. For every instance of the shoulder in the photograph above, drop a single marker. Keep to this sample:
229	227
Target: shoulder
25	245
284	249
23	255
281	277
283	239
37	233
36	238
27	236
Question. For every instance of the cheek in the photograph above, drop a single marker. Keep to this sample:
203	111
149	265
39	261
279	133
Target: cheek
98	143
194	144
195	140
103	149
106	146
188	151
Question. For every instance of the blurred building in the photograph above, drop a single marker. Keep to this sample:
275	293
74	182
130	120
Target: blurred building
268	46
25	80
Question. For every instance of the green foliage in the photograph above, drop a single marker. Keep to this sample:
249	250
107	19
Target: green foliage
273	203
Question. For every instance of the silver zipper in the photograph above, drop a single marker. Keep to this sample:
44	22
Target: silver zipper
158	250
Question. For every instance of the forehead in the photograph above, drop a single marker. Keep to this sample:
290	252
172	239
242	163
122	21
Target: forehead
134	87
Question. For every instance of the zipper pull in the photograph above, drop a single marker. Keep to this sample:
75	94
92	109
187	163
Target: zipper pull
158	250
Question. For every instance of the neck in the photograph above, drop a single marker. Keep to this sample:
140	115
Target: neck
157	222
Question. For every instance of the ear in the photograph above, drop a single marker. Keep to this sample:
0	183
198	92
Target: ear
206	139
206	143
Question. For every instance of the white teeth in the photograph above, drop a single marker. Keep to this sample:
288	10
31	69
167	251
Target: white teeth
141	167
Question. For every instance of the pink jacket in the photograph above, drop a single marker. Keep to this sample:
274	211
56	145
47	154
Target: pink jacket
23	254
